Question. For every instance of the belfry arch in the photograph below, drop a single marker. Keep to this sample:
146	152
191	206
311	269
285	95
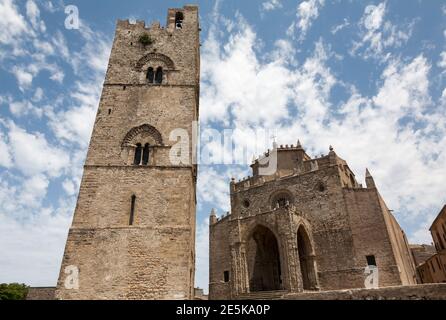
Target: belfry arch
263	260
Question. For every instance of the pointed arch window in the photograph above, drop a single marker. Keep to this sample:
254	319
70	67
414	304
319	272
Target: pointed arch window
150	75
159	75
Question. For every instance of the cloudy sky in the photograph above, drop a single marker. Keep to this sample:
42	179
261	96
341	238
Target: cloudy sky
367	77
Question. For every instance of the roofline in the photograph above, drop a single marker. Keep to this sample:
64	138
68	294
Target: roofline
442	211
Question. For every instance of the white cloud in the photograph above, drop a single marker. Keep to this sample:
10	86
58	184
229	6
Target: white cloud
339	27
38	95
5	156
21	108
377	34
247	89
307	12
12	23
442	62
405	87
214	188
32	251
69	187
75	123
33	13
271	5
24	78
34	155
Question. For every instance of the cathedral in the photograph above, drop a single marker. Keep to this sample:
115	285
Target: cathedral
307	226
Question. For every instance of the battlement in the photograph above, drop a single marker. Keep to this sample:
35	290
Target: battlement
292	160
176	18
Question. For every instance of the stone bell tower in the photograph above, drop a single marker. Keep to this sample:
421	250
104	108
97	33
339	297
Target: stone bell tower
133	231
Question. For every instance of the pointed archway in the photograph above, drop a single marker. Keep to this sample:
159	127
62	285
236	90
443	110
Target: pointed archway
306	260
263	259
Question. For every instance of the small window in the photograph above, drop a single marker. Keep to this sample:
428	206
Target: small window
226	276
159	75
138	153
246	203
321	187
282	202
145	154
440	241
371	261
150	75
179	17
132	210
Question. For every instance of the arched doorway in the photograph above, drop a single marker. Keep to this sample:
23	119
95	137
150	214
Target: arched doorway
306	260
263	261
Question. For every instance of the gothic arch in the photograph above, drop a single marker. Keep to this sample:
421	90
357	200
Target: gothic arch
305	250
264	262
159	57
145	128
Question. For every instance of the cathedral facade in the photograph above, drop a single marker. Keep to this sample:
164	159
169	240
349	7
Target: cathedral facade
308	226
133	231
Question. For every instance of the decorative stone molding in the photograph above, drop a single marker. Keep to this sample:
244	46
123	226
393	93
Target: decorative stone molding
155	57
145	128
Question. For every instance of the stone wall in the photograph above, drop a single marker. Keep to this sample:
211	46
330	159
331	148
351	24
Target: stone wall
342	222
41	293
152	255
413	292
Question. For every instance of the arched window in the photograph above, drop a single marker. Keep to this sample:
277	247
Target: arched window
138	153
179	17
159	75
150	75
145	154
281	200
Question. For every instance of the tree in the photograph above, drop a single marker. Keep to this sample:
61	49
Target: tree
13	291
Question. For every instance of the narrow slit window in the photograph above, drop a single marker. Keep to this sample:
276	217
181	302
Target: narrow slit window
371	261
132	210
138	152
150	75
145	155
159	75
226	276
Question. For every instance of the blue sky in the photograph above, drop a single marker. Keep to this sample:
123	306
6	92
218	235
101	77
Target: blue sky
364	76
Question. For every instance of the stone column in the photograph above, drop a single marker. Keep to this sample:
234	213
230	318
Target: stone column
240	278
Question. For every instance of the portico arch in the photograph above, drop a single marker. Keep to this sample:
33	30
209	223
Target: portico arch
263	260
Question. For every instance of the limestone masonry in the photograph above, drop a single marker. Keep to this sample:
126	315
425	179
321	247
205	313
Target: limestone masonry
133	231
310	226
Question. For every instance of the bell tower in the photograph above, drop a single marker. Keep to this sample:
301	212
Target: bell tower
133	230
